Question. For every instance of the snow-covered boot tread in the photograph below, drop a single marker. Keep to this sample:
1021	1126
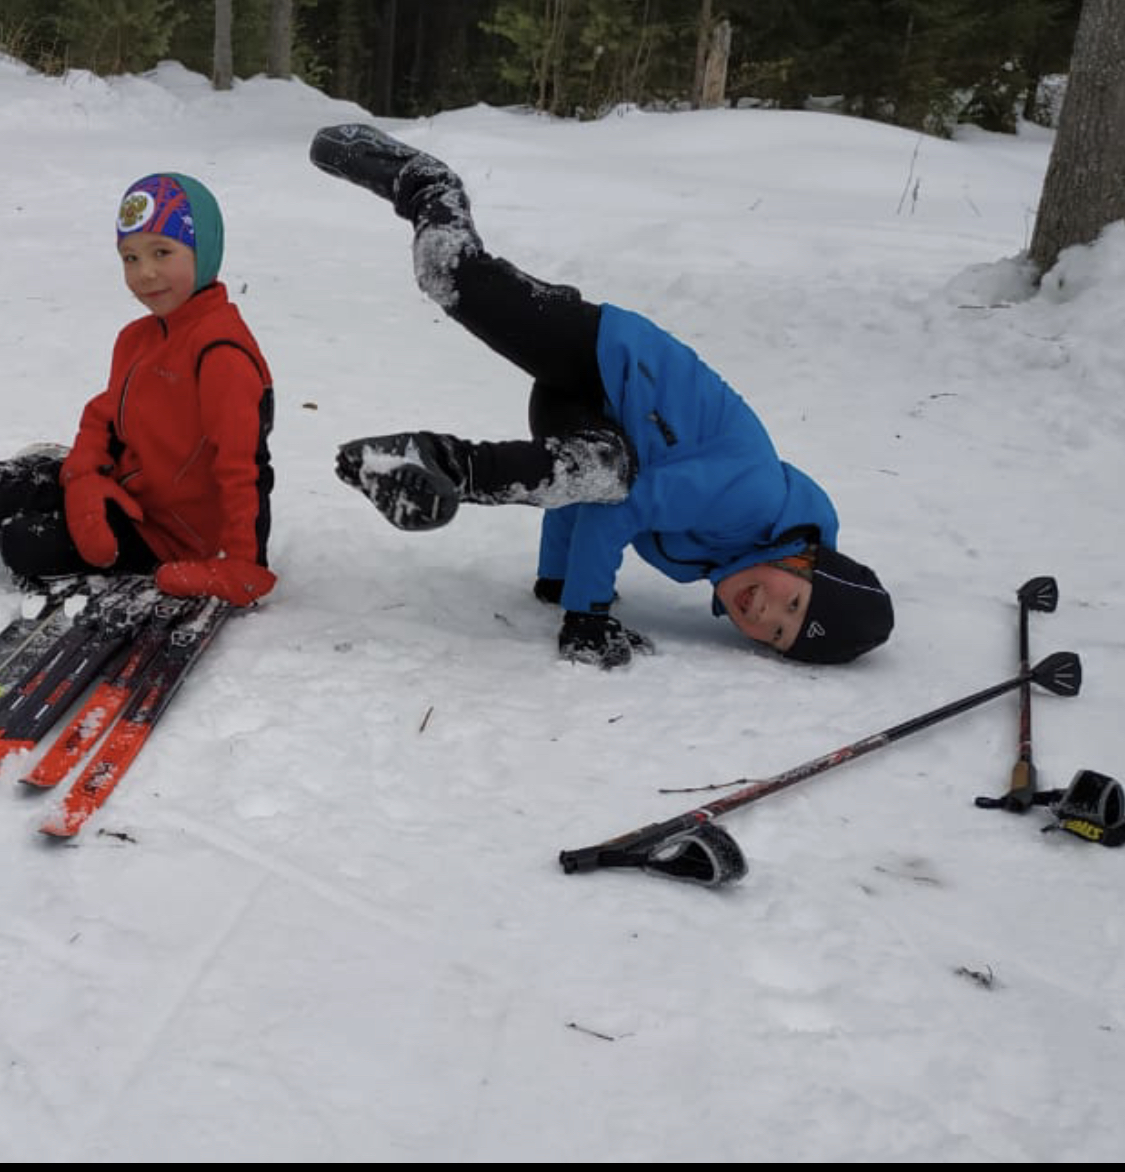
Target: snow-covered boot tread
412	478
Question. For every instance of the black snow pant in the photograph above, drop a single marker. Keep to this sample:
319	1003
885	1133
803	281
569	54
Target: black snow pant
548	331
35	543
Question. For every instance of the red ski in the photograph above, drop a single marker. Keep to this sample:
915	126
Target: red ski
181	649
106	701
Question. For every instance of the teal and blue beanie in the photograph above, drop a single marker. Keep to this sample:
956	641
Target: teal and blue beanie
181	208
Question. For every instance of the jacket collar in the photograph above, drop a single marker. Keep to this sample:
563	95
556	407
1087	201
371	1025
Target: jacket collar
198	305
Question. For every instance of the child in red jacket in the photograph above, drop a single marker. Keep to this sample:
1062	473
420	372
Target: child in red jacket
170	470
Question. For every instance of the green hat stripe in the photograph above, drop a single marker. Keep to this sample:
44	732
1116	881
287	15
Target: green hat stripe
207	221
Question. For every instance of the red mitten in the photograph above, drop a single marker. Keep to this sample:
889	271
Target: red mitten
85	501
231	579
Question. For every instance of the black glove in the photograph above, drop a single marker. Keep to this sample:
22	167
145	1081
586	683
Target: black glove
548	590
599	639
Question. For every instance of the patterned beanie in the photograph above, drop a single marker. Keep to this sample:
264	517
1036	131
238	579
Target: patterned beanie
181	208
849	612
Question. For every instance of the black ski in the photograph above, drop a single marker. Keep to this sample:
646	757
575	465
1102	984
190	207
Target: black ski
43	617
75	658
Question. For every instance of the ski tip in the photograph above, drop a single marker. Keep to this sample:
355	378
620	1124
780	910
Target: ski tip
39	780
14	746
57	829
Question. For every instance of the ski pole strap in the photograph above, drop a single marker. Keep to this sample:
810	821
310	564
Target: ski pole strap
706	855
1093	808
690	850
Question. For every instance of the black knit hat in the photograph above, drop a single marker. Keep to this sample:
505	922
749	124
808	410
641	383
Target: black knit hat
849	612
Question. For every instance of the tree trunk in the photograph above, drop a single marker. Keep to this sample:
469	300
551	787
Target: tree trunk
702	40
552	85
715	72
1084	189
1031	112
349	36
222	69
383	85
279	50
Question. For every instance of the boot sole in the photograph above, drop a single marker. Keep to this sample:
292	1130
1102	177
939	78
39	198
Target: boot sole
415	499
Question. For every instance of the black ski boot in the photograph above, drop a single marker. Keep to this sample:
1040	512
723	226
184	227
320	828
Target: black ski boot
421	189
29	480
414	478
362	155
418	479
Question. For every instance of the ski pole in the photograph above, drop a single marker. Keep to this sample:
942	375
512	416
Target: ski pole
689	847
1039	594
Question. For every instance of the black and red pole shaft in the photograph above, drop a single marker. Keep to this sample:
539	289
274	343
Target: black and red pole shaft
1021	788
1060	673
1038	594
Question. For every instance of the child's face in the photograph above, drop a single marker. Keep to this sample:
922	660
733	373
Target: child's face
766	603
159	271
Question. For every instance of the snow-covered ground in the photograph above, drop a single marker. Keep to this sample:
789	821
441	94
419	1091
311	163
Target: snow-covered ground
323	918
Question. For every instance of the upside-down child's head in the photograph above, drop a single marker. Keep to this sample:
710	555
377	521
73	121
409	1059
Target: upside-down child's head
818	607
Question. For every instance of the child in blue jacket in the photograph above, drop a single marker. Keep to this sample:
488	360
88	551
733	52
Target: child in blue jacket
636	441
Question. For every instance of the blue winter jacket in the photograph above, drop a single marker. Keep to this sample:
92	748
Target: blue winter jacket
711	495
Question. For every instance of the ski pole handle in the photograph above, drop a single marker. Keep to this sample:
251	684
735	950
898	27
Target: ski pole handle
628	850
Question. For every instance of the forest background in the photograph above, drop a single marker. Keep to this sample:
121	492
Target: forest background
921	64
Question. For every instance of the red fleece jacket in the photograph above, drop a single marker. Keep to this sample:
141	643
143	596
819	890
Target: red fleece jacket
183	427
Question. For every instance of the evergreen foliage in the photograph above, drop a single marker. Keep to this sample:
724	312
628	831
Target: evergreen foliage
924	64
